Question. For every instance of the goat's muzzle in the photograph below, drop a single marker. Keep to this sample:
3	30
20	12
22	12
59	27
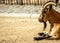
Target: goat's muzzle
40	20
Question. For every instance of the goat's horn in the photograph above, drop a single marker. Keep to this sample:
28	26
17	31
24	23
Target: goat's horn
49	3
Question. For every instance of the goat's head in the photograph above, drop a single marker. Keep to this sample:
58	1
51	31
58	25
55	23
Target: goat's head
46	8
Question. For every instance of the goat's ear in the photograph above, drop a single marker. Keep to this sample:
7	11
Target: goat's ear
50	7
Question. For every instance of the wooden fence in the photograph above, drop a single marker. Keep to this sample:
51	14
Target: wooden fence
23	2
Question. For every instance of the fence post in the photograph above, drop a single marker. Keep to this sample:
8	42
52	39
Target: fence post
28	2
21	2
1	2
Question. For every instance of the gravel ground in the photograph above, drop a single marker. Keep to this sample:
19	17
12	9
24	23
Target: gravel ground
21	30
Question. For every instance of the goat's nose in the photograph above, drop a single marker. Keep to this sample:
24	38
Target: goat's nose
41	16
40	19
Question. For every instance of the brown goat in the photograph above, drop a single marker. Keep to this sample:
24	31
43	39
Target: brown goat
51	15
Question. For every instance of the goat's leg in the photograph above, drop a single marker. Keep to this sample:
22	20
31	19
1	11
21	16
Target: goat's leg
44	34
51	26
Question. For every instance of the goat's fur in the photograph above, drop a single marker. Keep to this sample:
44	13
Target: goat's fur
51	15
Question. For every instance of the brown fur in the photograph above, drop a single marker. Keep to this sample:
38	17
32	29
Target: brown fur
56	31
52	16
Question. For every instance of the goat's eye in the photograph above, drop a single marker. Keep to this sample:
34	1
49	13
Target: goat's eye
44	12
40	15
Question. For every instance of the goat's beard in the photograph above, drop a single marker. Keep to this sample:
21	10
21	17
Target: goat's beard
45	25
42	21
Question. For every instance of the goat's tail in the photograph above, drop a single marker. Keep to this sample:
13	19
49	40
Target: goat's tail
49	3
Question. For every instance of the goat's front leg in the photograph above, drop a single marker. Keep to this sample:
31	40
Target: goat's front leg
51	26
44	33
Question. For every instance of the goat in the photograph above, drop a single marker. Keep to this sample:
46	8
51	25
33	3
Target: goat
45	24
51	15
44	10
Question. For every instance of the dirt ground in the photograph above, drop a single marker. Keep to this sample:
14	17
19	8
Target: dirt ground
21	30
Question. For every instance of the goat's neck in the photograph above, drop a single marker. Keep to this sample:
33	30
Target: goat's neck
54	16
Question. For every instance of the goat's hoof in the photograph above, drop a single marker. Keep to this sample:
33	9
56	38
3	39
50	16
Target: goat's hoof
41	38
41	34
38	38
